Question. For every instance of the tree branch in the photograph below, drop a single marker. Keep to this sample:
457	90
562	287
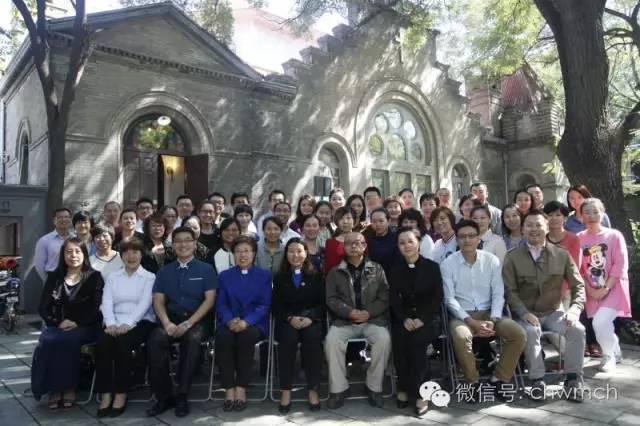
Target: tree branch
77	58
618	14
634	13
26	17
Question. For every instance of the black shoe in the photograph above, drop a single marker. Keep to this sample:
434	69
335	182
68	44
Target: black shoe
228	405
315	407
421	409
538	390
115	412
375	398
182	406
239	405
335	401
505	392
103	412
284	409
160	407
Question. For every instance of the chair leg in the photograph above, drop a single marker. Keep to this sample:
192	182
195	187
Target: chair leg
90	396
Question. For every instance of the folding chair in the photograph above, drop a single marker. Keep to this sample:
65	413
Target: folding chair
274	362
265	394
89	351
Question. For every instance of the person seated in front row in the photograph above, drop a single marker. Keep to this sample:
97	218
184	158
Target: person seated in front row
299	311
128	320
416	296
358	300
70	308
183	294
242	310
474	294
533	275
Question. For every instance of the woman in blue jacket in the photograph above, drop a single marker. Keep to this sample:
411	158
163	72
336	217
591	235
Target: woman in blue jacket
242	306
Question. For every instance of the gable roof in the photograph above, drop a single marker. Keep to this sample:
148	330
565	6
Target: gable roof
167	9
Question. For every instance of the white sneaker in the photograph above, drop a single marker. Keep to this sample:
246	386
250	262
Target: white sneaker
608	364
618	357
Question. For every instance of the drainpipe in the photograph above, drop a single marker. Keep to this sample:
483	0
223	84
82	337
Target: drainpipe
3	146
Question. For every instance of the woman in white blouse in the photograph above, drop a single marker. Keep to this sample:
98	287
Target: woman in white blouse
489	241
106	259
229	231
128	319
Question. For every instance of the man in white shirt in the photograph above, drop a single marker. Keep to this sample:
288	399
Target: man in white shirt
276	196
47	250
282	211
474	295
184	203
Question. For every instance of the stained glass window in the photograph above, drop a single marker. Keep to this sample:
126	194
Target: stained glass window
156	132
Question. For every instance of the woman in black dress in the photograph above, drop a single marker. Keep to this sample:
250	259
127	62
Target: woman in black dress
416	295
70	308
298	306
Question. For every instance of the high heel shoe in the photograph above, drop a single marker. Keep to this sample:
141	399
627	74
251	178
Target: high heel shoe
314	407
401	404
103	412
115	412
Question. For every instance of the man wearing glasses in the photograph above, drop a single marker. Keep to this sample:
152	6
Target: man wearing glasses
474	295
358	299
183	294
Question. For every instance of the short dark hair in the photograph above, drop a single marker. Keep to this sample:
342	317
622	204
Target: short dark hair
129	210
157	218
466	223
403	190
342	212
83	216
164	209
243	239
225	224
237	195
308	217
534	212
322	203
483	208
479	183
61	209
273	219
183	197
532	185
472	197
554	205
242	208
182	230
413	214
522	191
217	194
276	192
282	202
429	196
144	200
393	199
101	228
447	211
380	210
334	190
404	229
112	202
203	202
372	189
134	244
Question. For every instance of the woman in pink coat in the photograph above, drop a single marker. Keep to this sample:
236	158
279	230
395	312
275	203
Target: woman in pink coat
604	269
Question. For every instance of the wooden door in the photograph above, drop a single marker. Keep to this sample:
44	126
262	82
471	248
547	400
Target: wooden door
196	182
140	176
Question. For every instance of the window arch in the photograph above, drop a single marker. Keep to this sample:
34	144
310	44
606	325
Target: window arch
398	148
331	162
524	180
155	132
460	181
22	155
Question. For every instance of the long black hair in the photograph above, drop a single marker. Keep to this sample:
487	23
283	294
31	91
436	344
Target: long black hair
62	269
307	266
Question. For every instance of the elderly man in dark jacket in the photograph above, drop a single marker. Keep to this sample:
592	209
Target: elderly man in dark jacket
358	300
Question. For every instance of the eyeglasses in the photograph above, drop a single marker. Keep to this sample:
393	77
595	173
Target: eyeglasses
467	236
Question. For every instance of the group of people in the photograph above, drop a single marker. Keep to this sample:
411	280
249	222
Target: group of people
351	267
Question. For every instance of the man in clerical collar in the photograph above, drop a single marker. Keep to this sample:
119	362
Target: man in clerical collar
357	313
183	294
533	274
474	295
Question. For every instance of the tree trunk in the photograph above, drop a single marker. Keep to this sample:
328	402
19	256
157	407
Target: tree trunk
589	152
57	165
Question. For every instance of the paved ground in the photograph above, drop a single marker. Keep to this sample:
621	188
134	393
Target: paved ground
17	407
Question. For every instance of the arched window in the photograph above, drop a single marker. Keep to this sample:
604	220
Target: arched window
398	149
24	160
331	161
460	181
524	180
155	132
